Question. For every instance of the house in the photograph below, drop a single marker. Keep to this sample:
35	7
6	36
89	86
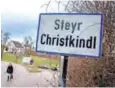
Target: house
14	47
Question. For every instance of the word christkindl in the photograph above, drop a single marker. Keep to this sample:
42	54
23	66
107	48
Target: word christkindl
68	41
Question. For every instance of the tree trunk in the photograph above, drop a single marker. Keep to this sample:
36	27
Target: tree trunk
2	52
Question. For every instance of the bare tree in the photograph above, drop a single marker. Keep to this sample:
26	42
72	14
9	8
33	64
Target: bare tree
98	76
28	41
5	38
59	5
46	5
58	2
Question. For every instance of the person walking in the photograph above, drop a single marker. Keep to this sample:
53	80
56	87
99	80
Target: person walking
10	72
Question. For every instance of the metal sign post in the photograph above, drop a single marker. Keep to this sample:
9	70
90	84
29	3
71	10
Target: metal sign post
63	71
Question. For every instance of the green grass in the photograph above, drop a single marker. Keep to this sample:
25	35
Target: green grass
38	61
44	61
11	58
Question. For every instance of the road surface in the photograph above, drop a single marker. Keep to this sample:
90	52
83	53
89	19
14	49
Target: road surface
23	78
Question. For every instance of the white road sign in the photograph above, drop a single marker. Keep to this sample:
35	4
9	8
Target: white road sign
70	34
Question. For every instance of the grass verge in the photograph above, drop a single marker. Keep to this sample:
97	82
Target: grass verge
38	61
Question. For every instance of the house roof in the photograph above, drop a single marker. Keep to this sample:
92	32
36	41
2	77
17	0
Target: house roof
27	46
17	44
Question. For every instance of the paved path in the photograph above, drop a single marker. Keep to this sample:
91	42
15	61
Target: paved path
23	78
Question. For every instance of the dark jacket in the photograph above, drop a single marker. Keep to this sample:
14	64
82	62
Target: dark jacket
10	69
